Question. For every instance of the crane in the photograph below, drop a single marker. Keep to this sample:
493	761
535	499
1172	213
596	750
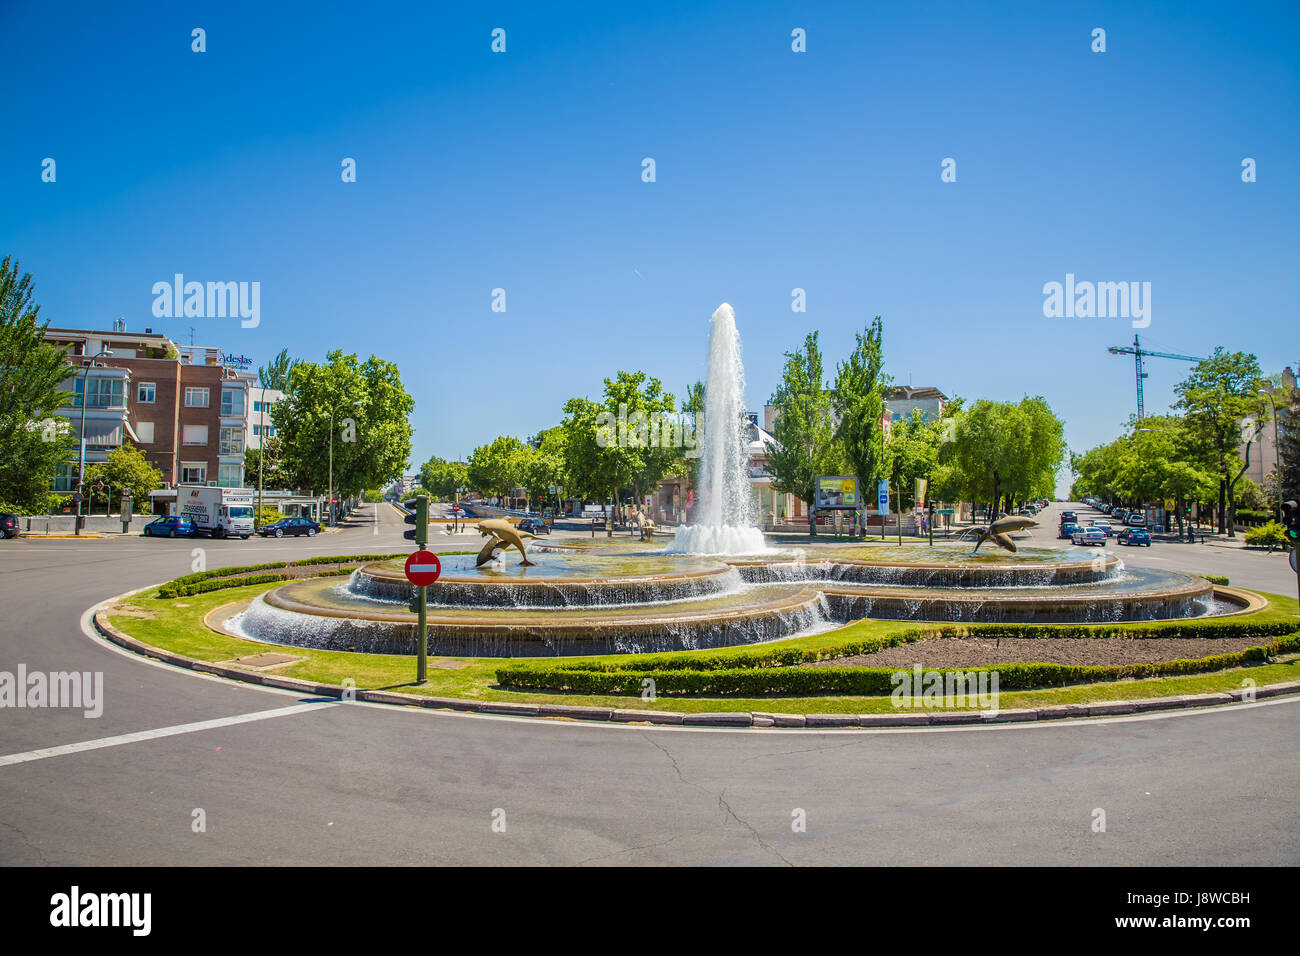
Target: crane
1137	351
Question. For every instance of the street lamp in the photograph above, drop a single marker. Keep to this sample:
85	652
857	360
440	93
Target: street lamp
87	365
330	500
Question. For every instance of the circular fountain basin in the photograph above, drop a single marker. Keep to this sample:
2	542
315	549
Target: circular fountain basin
617	596
950	567
1136	595
317	613
558	579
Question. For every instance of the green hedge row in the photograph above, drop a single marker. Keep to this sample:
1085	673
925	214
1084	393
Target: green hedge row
1216	579
793	656
219	584
853	681
225	572
174	588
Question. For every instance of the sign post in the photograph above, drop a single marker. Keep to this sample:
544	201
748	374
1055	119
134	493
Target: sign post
882	503
422	569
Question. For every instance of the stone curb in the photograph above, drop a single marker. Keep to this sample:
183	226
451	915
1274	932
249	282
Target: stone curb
758	719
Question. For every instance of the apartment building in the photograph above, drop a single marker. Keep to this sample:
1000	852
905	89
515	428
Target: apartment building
186	412
260	426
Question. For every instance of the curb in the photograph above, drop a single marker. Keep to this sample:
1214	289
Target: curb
759	719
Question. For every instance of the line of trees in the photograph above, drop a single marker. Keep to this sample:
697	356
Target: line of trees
1199	452
997	453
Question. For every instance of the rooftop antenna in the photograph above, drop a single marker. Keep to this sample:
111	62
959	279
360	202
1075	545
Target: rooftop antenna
191	336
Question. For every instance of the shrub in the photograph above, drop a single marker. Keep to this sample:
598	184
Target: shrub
219	584
1216	579
852	681
1271	535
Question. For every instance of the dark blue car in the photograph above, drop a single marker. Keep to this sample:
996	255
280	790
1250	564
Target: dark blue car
1135	536
170	526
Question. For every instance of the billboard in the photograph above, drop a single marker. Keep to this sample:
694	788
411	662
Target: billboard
835	491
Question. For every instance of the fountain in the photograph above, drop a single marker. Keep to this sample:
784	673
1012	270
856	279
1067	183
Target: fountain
726	518
718	584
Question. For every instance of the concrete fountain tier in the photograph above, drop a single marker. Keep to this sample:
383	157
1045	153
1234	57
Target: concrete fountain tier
948	568
559	579
313	614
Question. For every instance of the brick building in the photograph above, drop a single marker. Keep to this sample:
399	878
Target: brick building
187	413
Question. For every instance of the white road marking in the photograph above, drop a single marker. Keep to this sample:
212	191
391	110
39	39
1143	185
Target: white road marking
155	734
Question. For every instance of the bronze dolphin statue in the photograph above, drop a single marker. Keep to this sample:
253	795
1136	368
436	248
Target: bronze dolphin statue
999	531
501	534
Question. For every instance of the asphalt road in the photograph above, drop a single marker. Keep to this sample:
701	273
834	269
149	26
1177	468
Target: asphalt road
331	783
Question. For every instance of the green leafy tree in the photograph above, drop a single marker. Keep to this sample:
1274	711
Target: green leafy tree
126	467
1218	399
270	457
860	404
443	478
499	468
369	410
277	373
33	443
804	429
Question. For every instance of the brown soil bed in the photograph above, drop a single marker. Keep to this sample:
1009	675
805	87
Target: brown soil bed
975	651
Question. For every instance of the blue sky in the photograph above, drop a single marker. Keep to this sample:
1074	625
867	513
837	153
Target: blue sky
775	170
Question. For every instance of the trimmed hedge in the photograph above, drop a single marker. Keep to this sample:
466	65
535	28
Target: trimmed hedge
852	681
220	584
1216	579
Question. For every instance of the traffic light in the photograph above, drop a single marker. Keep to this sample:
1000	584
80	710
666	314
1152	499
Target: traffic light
418	508
1291	519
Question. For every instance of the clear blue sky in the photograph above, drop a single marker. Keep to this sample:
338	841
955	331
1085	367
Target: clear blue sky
775	170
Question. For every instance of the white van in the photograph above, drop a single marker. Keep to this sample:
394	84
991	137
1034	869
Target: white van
221	512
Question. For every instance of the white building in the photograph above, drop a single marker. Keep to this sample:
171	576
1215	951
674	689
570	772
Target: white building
261	401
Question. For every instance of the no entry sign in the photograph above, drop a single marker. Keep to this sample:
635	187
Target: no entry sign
423	568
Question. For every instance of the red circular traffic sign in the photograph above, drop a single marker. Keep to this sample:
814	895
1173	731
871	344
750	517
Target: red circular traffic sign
423	567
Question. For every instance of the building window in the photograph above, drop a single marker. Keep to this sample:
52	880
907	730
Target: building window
194	473
65	479
230	476
194	435
99	392
232	440
268	431
144	432
232	403
146	392
196	398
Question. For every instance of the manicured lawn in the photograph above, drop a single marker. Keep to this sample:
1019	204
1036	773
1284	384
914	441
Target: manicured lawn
177	625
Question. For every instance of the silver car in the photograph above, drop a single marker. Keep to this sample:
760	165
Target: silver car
1089	536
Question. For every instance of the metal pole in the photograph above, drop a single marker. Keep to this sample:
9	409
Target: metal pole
329	499
422	655
261	455
81	467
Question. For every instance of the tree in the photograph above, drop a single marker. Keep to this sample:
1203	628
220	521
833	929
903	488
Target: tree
804	430
126	467
271	457
443	478
369	410
1005	450
630	440
277	373
497	469
860	403
912	451
1219	396
33	443
1288	443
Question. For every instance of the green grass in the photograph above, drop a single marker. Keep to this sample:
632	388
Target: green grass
177	625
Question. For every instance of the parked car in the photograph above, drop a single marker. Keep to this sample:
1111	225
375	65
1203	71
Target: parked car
293	526
8	525
1135	536
1089	535
170	526
534	526
1067	529
1137	519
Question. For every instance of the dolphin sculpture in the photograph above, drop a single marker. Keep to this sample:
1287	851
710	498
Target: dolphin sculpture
999	532
501	534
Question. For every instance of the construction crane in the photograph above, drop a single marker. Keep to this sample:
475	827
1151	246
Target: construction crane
1137	351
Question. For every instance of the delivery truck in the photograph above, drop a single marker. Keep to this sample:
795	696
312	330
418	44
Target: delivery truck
221	512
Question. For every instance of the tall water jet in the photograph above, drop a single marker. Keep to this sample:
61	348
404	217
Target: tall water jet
725	512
